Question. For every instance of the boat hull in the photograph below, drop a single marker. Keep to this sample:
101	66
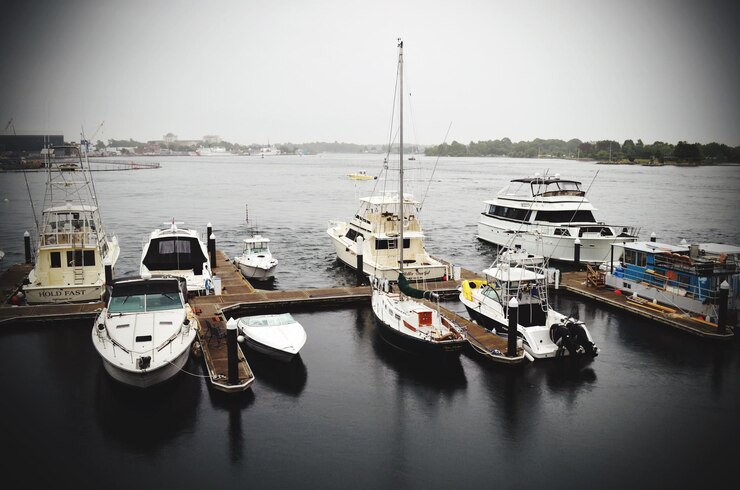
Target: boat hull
418	346
277	354
594	250
257	273
149	378
68	294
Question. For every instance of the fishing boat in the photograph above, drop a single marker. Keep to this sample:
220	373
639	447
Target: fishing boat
180	252
409	318
279	336
145	331
545	333
361	175
256	261
546	215
73	248
684	278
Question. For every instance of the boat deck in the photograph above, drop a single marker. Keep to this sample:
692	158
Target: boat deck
576	282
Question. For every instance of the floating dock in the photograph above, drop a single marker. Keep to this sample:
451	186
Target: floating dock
578	283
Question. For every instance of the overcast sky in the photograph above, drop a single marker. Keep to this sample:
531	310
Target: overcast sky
302	71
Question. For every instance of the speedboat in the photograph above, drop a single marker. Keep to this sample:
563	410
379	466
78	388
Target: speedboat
376	227
278	336
256	261
145	331
73	248
361	175
546	215
180	252
404	319
684	278
521	276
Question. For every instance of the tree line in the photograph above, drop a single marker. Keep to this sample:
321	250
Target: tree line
605	150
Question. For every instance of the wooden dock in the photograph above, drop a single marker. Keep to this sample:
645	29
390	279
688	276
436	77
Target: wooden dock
577	283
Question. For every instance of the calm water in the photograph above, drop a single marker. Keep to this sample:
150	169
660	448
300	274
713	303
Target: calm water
655	408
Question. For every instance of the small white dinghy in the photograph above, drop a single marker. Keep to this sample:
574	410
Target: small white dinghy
278	336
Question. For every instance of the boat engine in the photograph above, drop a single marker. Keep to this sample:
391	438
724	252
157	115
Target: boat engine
578	331
562	336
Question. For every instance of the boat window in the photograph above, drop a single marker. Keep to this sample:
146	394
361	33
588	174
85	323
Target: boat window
88	256
81	258
56	259
352	234
566	216
515	214
165	255
391	244
163	301
127	304
635	258
562	231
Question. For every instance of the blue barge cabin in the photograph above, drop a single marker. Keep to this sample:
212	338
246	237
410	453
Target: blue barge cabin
686	278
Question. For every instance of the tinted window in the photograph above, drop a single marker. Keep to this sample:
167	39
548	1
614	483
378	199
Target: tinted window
56	259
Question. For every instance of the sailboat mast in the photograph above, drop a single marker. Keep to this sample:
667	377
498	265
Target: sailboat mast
400	152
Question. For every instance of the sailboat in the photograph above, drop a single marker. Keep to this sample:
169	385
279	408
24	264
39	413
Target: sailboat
73	248
403	319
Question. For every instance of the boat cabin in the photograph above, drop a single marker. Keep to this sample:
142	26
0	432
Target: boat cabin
256	245
147	295
175	253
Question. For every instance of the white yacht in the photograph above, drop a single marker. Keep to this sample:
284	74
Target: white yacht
278	336
145	331
206	151
375	231
544	331
546	215
406	322
180	252
73	248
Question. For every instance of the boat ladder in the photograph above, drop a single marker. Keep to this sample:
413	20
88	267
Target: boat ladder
79	275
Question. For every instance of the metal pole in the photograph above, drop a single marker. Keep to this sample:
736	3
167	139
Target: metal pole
27	246
233	361
513	321
611	259
724	294
360	262
108	272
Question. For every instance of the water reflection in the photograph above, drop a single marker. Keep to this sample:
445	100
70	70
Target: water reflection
285	377
145	419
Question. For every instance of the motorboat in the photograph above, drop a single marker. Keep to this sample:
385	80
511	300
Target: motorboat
361	175
209	151
410	319
684	278
145	332
256	261
73	249
279	336
547	215
178	251
545	333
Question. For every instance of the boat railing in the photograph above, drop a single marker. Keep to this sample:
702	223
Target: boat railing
613	230
86	237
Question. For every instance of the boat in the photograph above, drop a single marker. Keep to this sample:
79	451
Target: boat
686	278
73	248
205	151
546	215
410	319
256	261
545	333
361	175
145	332
178	251
268	151
278	336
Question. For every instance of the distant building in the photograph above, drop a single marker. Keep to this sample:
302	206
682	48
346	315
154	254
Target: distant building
170	138
211	139
31	143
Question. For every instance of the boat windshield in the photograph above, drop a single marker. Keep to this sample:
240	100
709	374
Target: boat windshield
142	303
259	247
269	320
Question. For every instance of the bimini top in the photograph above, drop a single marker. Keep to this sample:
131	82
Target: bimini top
537	186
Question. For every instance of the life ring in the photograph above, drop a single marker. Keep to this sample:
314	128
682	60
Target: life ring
671	275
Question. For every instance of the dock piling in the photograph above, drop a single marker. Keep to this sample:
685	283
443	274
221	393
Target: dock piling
360	261
653	237
231	334
27	246
724	294
577	252
513	333
212	249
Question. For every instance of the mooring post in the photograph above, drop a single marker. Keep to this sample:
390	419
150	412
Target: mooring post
212	250
27	246
360	262
653	237
108	272
724	294
513	320
611	259
209	230
231	352
577	252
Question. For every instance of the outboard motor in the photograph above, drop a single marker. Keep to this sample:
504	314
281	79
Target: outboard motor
561	335
578	332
